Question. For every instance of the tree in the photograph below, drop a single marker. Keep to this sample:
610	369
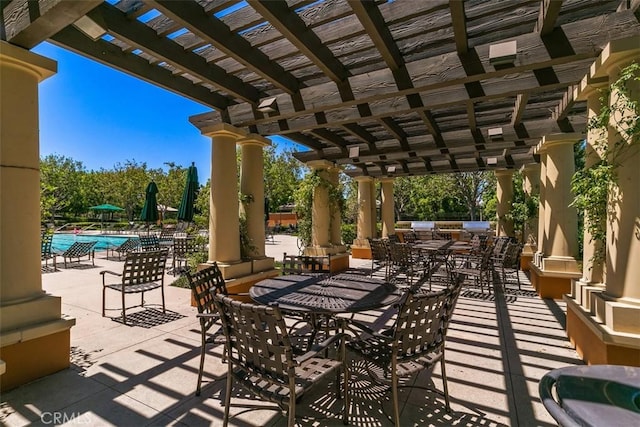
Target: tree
282	175
171	185
130	179
60	186
469	187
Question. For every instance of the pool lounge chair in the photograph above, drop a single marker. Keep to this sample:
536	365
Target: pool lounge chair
129	245
79	250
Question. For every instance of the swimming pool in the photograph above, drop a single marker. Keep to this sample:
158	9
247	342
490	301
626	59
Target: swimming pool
62	242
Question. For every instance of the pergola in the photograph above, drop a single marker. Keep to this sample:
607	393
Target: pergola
378	89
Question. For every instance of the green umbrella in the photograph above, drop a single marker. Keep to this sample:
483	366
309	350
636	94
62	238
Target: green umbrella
150	208
105	207
185	211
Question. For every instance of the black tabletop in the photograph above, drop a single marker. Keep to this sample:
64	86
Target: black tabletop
597	395
341	293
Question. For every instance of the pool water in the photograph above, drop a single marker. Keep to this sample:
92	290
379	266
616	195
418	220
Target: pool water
62	242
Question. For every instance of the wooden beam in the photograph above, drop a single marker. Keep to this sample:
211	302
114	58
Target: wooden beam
431	100
519	108
549	12
111	55
214	31
294	29
374	24
332	139
396	131
464	141
140	35
427	74
459	23
27	23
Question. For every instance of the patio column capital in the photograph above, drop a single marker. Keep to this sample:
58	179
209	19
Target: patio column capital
223	129
253	139
616	55
363	178
320	164
504	172
386	180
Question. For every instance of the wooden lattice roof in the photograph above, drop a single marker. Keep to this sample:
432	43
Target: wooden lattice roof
409	82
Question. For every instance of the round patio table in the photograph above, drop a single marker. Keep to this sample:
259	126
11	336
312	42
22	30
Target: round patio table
596	395
325	294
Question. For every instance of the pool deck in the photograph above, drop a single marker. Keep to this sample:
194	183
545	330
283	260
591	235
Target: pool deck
145	374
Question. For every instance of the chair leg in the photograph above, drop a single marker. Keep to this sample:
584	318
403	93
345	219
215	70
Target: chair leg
345	389
445	387
227	398
103	301
162	289
203	334
291	419
394	394
124	313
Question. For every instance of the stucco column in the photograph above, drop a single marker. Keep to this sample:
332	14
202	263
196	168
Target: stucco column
603	320
320	212
560	219
623	225
31	321
542	234
387	209
531	188
335	234
504	194
252	186
224	224
374	210
556	267
592	271
364	207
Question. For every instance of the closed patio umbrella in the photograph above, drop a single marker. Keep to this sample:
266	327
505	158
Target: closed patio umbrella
150	209
186	209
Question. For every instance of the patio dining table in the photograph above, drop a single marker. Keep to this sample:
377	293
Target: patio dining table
325	294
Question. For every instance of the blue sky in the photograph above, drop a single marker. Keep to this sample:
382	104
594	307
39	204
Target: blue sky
100	116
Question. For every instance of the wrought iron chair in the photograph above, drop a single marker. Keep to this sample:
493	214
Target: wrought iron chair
508	262
403	261
379	256
204	285
415	342
142	272
260	357
78	251
479	268
46	251
149	242
303	264
182	247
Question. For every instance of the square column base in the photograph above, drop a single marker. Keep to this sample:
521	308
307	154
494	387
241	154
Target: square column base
582	292
360	249
527	255
598	344
29	360
239	277
339	260
553	279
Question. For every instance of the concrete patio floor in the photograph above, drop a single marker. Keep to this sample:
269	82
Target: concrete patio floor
498	348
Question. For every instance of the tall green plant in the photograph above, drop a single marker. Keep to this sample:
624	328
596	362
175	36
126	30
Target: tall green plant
595	187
